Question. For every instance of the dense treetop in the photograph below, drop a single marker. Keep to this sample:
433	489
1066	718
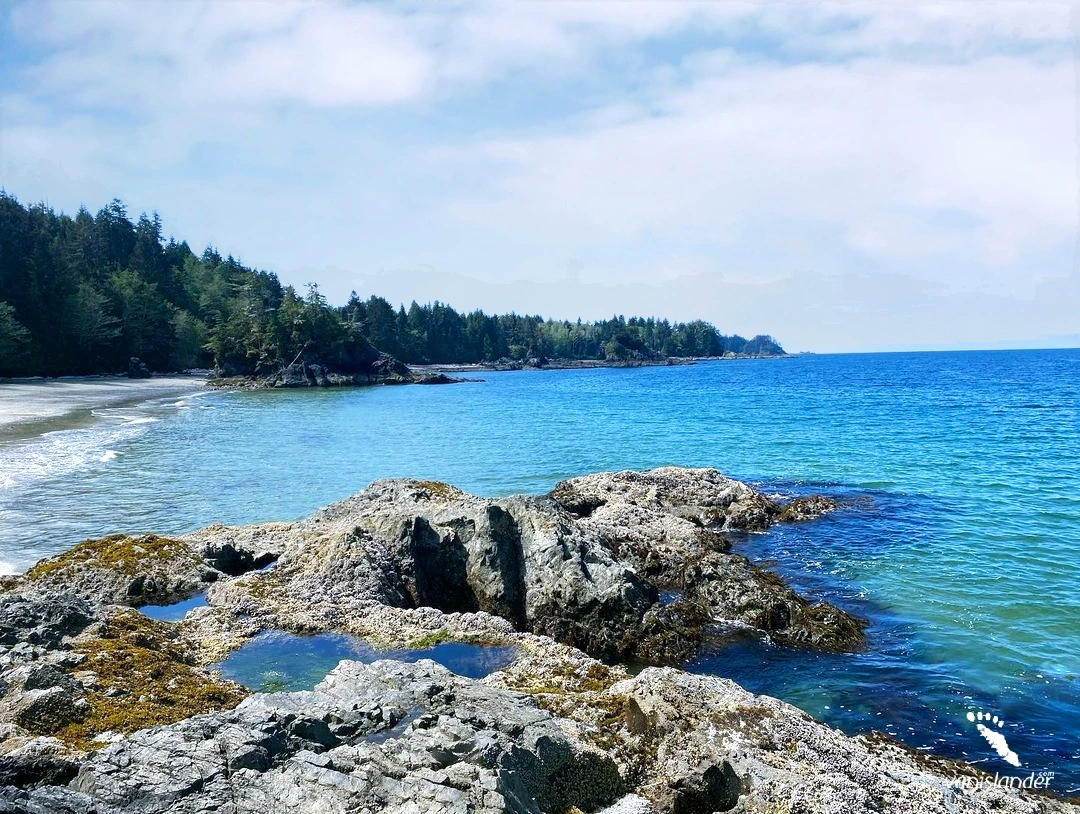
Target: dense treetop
85	294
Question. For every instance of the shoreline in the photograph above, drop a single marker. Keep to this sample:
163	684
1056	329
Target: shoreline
564	674
582	364
29	407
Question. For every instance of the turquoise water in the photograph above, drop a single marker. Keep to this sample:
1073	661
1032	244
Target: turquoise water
176	611
276	661
959	544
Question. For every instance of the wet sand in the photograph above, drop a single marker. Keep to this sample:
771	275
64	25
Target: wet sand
29	407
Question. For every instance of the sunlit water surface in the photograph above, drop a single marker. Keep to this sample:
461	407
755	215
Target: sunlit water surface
961	473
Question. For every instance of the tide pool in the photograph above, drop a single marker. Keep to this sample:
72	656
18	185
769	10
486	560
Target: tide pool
959	537
276	661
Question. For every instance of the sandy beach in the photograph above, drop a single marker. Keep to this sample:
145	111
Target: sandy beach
31	406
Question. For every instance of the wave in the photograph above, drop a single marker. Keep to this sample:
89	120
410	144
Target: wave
7	569
62	452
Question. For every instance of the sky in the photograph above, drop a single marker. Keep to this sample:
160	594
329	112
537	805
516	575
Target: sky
845	177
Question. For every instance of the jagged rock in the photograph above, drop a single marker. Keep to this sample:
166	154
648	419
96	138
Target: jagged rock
41	762
802	509
140	570
782	758
705	497
45	711
414	543
45	622
667	523
382	737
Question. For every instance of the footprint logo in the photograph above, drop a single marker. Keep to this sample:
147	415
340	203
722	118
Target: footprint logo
984	722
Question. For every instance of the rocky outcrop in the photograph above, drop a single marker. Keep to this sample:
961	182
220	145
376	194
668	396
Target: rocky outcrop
415	543
669	525
147	569
78	672
581	568
555	732
584	565
382	737
382	369
408	563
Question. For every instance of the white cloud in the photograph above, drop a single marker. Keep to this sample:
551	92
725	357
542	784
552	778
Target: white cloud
810	148
905	161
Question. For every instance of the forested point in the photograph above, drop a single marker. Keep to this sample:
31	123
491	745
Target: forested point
84	295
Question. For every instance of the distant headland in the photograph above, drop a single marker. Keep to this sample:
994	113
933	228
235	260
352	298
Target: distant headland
101	294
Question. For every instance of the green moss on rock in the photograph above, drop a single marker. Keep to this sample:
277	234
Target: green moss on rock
118	552
144	678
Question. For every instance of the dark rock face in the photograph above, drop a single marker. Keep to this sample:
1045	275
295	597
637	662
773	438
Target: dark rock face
137	369
668	524
34	770
714	788
43	712
43	622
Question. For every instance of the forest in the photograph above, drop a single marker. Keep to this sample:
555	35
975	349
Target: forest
86	294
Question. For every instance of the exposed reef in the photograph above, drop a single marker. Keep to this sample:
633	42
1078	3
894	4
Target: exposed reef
104	710
383	370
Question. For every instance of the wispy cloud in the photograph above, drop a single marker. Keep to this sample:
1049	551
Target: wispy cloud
644	141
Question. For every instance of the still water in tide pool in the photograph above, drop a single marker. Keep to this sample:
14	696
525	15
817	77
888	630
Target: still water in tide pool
959	539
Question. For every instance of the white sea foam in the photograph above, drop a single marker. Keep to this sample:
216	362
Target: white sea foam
135	419
61	452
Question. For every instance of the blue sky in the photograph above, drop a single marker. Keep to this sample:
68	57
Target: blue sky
843	176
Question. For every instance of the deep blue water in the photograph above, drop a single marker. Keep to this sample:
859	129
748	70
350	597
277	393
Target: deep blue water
284	662
959	543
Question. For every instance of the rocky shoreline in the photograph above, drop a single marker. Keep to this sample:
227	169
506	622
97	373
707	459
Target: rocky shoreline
543	363
384	370
105	710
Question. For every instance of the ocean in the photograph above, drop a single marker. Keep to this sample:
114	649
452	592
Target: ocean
958	540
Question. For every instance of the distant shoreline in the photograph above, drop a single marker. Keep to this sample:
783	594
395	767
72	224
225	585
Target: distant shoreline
583	364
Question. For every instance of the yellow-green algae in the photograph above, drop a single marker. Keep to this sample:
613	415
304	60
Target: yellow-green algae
438	488
155	676
117	552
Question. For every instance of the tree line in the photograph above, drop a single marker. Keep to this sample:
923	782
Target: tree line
85	294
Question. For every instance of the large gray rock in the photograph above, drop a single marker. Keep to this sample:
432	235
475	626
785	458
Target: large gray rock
382	737
668	524
145	569
419	543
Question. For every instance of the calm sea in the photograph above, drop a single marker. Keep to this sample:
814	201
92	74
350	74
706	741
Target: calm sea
960	542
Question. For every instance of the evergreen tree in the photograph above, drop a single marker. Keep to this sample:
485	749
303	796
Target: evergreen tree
84	294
